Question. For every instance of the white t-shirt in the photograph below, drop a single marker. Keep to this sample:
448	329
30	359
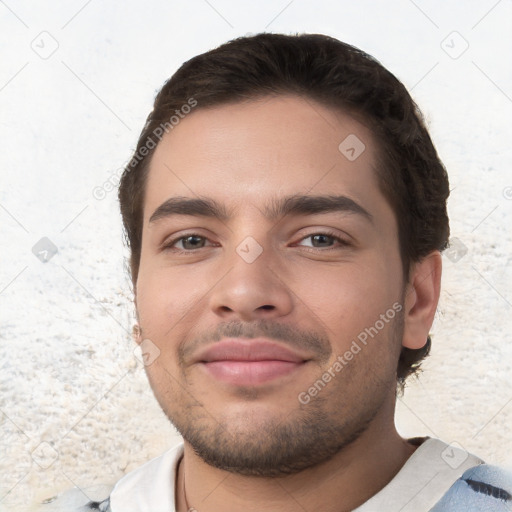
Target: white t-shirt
418	486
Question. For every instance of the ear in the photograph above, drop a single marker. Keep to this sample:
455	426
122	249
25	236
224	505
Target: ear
136	330
137	334
421	298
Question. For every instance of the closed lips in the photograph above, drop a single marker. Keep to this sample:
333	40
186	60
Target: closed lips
243	362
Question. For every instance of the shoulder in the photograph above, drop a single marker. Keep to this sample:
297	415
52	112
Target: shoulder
148	483
480	488
79	500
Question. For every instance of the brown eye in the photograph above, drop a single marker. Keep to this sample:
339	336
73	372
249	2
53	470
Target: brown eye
187	243
322	241
191	242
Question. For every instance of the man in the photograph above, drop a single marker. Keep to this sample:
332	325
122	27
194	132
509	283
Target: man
286	212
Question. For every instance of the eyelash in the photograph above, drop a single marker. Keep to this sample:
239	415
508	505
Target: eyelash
341	241
168	246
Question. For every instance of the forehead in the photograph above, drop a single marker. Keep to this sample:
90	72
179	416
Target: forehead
252	152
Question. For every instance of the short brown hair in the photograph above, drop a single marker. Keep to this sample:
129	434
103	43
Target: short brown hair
410	174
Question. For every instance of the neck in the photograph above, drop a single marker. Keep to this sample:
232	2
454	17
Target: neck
340	484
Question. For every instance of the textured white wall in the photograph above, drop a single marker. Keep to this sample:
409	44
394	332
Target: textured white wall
77	80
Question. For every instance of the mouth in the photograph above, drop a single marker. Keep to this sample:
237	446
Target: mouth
250	373
253	362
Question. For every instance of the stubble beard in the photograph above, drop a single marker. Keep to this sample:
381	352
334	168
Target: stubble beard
275	447
272	448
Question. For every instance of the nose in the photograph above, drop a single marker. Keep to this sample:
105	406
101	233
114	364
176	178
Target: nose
251	291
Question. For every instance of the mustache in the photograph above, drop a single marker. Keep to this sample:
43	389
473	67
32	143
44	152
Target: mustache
313	342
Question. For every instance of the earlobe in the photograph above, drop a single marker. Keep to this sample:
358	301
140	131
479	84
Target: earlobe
136	334
421	299
136	330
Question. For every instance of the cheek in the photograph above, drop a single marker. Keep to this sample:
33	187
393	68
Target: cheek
158	290
346	300
169	303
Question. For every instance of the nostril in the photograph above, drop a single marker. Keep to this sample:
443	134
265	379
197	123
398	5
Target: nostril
267	306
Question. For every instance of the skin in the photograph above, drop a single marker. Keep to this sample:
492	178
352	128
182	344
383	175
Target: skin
342	447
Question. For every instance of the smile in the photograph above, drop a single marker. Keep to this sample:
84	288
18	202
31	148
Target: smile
249	362
250	373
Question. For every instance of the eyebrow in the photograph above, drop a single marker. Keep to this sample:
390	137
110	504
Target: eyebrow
280	207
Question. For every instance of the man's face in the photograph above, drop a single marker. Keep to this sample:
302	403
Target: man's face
253	294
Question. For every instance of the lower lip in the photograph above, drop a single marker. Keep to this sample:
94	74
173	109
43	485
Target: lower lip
250	373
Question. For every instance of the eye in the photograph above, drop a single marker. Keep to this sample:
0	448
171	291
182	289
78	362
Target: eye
322	240
187	243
